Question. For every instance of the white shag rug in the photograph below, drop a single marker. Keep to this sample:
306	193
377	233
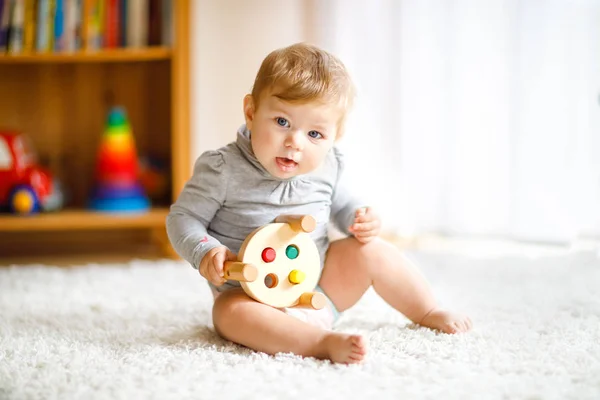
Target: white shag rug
143	331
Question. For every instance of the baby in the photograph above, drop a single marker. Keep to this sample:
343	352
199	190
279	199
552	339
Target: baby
285	162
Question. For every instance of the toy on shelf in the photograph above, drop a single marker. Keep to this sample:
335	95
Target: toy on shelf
279	264
154	178
25	186
117	182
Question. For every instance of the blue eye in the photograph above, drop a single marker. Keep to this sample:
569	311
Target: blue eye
315	135
282	122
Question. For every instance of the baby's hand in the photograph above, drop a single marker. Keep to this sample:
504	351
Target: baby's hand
366	225
211	266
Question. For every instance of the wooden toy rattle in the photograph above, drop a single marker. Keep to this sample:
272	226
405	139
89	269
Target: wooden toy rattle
279	264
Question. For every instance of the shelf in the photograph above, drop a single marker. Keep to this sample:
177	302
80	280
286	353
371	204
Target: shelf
60	100
111	55
82	220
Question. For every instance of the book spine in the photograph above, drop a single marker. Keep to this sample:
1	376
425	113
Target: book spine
30	23
137	24
123	23
41	24
70	31
86	26
111	24
93	22
78	27
154	22
5	9
50	25
59	26
167	23
99	23
15	40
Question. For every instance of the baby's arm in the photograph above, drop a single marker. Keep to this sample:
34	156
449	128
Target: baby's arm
344	209
349	214
196	206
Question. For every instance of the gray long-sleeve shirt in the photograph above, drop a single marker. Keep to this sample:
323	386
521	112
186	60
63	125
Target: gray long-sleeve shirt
230	194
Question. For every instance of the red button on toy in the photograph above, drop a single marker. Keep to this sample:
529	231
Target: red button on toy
268	255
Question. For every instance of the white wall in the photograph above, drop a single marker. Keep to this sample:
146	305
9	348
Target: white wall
230	38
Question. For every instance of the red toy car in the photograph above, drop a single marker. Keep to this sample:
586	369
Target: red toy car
25	187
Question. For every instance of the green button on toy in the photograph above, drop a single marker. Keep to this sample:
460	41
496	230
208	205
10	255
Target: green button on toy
292	252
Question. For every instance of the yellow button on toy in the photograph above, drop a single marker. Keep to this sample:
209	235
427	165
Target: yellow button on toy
297	276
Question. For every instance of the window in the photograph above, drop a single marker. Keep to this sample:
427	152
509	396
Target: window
6	161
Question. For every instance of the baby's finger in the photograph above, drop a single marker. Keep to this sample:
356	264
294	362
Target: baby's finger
360	213
214	277
218	261
366	215
231	256
217	268
217	278
364	226
209	273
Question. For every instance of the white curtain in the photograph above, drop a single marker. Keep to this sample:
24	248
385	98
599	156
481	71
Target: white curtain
473	117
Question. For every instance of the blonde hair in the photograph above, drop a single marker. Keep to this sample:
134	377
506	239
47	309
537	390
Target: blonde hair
304	73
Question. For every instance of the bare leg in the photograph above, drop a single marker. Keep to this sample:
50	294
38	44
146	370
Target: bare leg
263	328
352	267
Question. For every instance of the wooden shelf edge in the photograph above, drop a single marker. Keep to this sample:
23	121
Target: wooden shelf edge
82	220
105	55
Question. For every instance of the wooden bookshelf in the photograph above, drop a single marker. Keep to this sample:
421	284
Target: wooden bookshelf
61	102
100	56
78	219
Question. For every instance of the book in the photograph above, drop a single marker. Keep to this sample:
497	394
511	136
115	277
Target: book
29	25
93	24
137	23
123	23
154	22
111	24
79	24
5	10
72	21
59	26
17	19
70	25
45	25
167	22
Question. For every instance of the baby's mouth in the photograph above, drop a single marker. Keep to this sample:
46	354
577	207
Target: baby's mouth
286	164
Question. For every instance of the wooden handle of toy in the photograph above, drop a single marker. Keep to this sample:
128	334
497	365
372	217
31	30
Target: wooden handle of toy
299	223
315	300
239	271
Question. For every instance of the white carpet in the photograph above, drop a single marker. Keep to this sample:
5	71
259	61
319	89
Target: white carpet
142	332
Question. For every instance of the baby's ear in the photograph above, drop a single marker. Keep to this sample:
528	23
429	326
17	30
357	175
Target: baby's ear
249	110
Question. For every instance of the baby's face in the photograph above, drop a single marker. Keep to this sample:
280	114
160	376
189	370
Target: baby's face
290	139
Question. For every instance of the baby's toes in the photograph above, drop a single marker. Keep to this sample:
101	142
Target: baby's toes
451	327
359	345
462	327
469	323
464	324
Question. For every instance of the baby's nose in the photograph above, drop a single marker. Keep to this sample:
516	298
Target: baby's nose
294	140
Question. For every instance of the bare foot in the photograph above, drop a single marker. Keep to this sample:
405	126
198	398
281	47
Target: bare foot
346	349
446	321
